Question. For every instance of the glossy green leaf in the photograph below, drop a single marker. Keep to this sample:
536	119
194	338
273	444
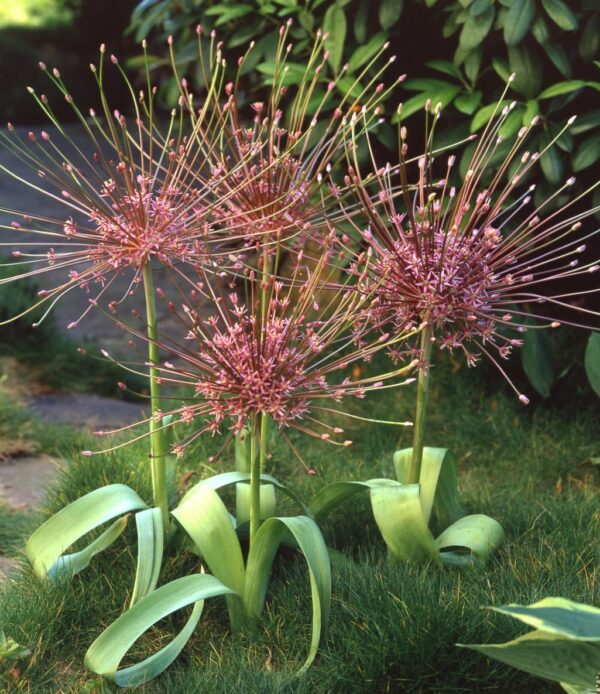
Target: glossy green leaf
471	539
150	552
483	116
439	483
45	547
260	559
334	24
444	66
558	616
588	121
561	88
560	13
532	109
475	29
468	103
559	58
108	650
589	41
206	520
525	64
548	656
389	12
361	19
537	359
501	68
364	53
478	7
592	361
587	154
551	162
518	20
472	64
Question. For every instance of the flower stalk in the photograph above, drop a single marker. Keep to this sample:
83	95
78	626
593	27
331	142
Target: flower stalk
422	395
158	444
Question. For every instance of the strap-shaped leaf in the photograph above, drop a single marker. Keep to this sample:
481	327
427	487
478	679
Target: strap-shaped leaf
559	616
268	503
108	650
260	560
226	479
399	515
549	656
206	520
327	498
472	539
45	547
439	483
150	552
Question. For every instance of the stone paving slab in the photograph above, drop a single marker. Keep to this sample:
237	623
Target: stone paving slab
23	481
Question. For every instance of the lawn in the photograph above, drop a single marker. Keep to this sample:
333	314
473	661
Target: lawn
394	627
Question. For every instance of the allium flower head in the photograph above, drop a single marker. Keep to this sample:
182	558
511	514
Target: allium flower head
471	262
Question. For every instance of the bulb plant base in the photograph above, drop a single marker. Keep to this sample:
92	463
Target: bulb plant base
405	512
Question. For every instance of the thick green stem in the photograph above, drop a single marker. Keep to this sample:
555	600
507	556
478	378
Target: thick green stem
422	393
254	478
158	447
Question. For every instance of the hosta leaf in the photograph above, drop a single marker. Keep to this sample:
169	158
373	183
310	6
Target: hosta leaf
537	359
558	616
472	539
45	547
548	656
560	13
592	361
150	552
260	559
108	650
518	20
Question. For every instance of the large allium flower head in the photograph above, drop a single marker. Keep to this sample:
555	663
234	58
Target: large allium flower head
476	262
281	148
287	357
135	193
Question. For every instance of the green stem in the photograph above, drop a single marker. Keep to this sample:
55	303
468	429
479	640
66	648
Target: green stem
254	479
422	393
158	447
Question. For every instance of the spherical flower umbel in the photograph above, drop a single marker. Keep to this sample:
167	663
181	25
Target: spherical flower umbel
473	263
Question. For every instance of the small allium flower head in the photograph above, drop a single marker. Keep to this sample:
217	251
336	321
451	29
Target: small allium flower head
473	262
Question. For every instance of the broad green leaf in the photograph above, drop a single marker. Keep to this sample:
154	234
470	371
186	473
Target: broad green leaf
206	520
484	114
361	19
472	539
472	64
592	361
268	503
558	616
526	66
511	124
561	88
45	547
444	66
518	20
475	29
587	153
559	58
439	483
540	30
389	12
537	359
400	518
227	13
410	106
560	14
334	24
532	109
10	649
501	68
588	121
468	103
150	552
428	84
363	54
260	560
108	650
478	7
589	41
551	162
548	656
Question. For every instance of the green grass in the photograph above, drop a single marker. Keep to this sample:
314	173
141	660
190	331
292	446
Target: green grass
394	627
